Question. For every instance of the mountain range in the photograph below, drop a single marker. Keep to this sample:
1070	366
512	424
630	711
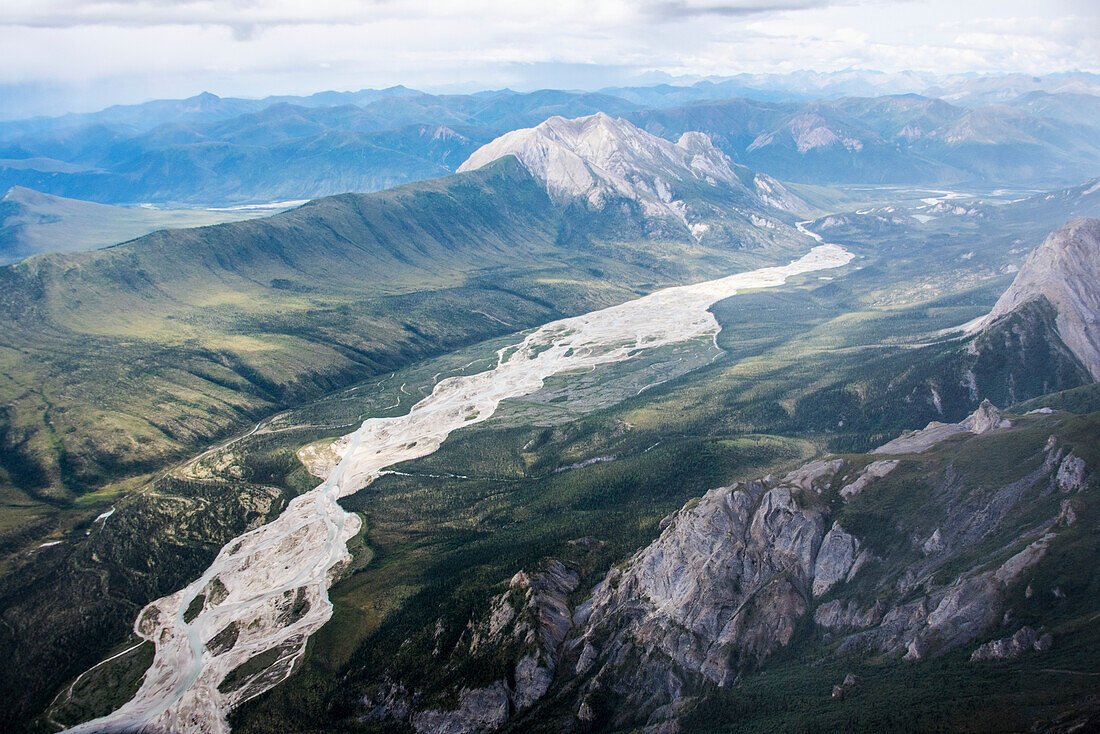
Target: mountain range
208	151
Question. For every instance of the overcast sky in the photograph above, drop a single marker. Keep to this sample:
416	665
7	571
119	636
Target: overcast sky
85	54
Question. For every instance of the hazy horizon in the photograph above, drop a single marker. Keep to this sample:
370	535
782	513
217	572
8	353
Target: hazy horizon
74	56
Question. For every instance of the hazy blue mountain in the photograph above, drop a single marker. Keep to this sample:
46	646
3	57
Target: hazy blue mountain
896	139
212	151
276	150
205	107
662	90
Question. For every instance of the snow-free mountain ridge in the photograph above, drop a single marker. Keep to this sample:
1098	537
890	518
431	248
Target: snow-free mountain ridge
598	158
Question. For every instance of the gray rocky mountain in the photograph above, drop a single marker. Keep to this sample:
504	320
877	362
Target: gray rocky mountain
598	160
1064	270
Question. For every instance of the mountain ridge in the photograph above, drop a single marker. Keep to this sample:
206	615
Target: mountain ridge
598	159
1065	271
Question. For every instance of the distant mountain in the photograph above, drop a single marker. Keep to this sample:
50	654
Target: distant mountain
207	151
800	86
599	161
271	151
1064	204
995	89
32	223
201	108
1073	108
898	139
792	87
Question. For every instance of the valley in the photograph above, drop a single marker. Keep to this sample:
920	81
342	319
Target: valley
509	380
296	554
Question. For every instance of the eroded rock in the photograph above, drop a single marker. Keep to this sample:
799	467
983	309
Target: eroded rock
1010	648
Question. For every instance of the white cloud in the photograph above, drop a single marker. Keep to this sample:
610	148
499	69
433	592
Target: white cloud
132	48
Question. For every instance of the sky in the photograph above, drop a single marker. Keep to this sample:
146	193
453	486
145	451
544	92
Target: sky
77	55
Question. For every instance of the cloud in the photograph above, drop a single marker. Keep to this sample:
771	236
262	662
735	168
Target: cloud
677	9
127	50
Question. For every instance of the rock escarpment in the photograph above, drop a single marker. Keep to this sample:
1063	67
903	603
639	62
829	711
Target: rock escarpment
716	594
726	584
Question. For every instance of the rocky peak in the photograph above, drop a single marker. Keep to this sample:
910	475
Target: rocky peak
598	158
1065	270
986	418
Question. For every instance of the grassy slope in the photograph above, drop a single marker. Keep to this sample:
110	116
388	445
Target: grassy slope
140	350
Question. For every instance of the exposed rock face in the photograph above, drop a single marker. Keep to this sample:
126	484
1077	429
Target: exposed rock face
839	558
838	615
480	709
985	419
732	576
1071	474
726	583
598	159
527	623
874	470
1065	270
934	544
814	475
719	591
1010	648
716	594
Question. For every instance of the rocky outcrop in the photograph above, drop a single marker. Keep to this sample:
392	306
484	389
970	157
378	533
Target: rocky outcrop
986	418
526	625
838	614
719	591
730	573
733	576
1071	474
850	681
839	559
871	472
1010	648
1065	270
730	577
815	475
479	709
